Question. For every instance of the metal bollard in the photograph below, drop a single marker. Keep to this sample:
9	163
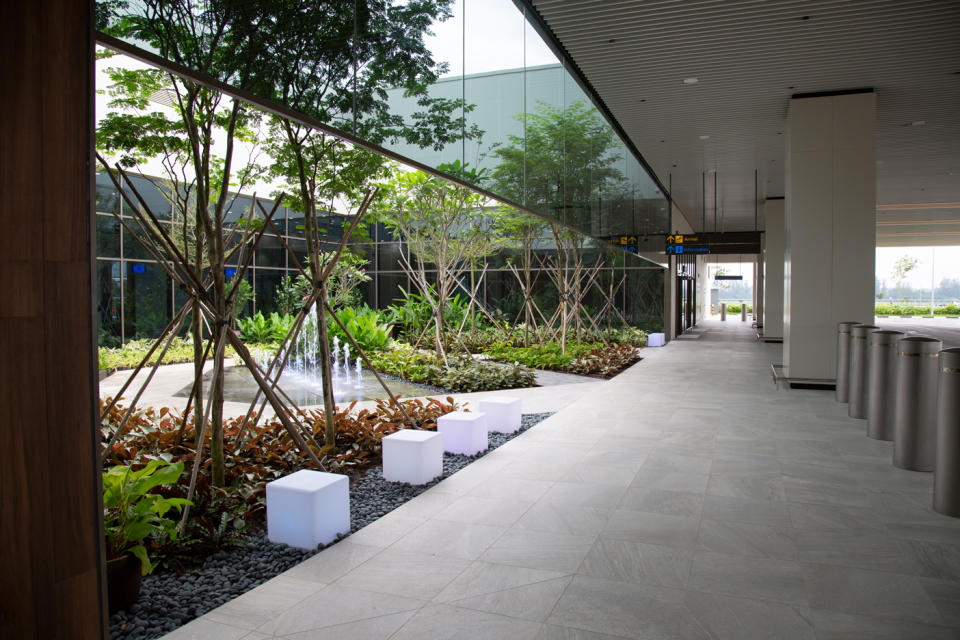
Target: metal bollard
743	311
915	417
843	361
858	370
946	476
881	383
723	311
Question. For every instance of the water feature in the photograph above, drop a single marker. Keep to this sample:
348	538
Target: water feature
301	379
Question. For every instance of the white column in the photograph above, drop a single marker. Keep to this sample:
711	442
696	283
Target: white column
670	299
830	227
773	261
758	277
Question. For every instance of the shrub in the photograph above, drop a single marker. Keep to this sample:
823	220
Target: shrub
129	355
463	374
258	329
604	361
366	325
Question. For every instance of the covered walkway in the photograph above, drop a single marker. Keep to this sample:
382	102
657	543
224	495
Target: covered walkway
686	498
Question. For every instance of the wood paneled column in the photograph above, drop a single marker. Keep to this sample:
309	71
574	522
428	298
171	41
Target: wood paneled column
50	524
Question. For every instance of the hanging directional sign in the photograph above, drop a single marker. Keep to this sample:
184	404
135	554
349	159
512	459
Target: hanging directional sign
626	243
719	277
714	243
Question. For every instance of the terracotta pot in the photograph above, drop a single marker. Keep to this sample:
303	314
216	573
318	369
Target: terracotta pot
123	582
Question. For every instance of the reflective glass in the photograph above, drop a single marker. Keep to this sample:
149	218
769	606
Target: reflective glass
109	275
108	236
146	300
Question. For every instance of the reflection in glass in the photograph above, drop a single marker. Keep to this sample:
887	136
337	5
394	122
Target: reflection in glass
108	236
109	328
146	300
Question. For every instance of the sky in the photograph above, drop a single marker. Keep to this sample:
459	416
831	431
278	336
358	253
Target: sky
940	262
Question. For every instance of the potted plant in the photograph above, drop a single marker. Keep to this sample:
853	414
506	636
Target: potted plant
131	516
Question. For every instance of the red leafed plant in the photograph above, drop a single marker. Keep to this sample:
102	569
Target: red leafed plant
605	362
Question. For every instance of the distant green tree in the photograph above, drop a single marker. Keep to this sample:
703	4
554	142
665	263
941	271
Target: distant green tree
903	266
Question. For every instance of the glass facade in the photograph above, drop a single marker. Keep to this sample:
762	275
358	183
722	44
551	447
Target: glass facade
478	95
136	298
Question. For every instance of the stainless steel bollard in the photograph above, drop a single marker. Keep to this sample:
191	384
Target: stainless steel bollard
858	370
915	417
843	361
946	476
743	311
881	382
723	310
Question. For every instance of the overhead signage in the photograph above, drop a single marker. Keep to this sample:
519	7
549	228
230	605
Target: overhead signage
138	268
719	277
229	272
715	243
627	243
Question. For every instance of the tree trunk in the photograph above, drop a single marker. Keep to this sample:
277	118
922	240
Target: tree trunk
218	472
326	372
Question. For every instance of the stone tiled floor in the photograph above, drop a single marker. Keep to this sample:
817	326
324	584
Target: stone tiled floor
687	498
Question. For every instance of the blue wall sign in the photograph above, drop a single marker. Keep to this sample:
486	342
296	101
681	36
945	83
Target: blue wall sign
137	268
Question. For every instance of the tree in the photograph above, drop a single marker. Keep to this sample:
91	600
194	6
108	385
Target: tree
445	227
903	266
563	163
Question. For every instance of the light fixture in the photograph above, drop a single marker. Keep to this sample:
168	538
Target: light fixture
918	123
691	80
704	137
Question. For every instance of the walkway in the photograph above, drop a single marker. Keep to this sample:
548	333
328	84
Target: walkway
686	498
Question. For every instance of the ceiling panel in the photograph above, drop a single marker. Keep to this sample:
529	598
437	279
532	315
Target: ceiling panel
749	57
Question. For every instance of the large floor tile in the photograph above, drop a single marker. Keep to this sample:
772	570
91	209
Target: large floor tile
446	622
748	539
540	550
832	625
726	618
625	609
652	528
864	550
450	539
260	605
748	577
638	562
871	593
768	512
404	573
671	503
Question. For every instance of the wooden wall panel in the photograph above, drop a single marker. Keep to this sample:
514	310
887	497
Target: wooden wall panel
50	522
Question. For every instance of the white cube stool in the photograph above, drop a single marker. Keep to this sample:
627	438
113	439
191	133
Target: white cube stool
463	432
412	456
503	413
655	340
308	508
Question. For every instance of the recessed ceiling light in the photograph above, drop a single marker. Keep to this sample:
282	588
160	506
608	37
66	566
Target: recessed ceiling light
791	87
674	166
804	17
704	137
663	141
612	40
691	80
643	100
918	123
779	133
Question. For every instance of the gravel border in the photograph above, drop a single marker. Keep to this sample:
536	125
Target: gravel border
168	601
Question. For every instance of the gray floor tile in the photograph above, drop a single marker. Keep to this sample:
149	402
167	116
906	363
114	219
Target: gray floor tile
560	518
472	509
749	487
446	622
556	632
625	609
726	618
768	512
337	605
824	517
379	628
404	573
861	549
483	578
450	539
946	597
540	550
832	625
745	538
205	629
638	562
748	577
934	559
530	601
652	528
257	606
333	562
871	593
583	495
671	503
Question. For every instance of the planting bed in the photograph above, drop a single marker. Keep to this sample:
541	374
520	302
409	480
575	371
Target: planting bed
169	600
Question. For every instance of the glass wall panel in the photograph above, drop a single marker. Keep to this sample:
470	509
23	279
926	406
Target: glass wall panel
132	247
150	192
493	90
109	275
108	236
146	300
107	196
543	126
265	285
270	252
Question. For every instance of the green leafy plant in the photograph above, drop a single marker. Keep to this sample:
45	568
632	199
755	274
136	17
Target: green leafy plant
261	329
604	361
132	515
131	353
365	325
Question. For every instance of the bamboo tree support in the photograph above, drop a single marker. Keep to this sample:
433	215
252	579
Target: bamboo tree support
197	382
610	300
143	387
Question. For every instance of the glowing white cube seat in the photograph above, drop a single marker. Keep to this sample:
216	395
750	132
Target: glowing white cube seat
308	508
463	432
412	456
655	340
503	413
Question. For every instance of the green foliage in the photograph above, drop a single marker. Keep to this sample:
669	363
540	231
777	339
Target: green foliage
243	296
260	329
410	314
290	293
129	355
735	308
132	514
366	325
462	374
604	361
915	310
540	356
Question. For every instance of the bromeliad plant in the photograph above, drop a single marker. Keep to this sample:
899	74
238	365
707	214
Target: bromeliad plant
133	516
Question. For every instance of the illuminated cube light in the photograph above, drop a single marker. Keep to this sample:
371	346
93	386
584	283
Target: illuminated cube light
463	432
308	508
412	456
503	413
655	340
